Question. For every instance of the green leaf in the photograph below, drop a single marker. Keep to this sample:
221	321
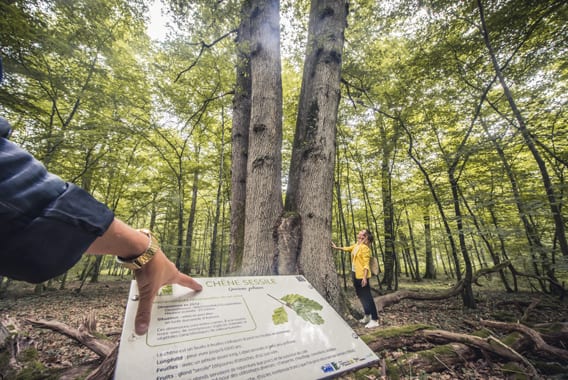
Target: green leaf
304	307
279	316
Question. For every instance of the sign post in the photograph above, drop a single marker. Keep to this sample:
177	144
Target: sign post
273	327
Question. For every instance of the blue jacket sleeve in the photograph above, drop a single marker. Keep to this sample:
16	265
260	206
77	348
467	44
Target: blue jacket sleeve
46	224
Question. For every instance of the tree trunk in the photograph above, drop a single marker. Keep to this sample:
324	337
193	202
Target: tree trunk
430	272
263	185
502	246
467	294
310	187
554	204
344	236
240	137
214	251
180	217
96	270
413	246
388	217
490	248
531	232
372	223
187	267
437	201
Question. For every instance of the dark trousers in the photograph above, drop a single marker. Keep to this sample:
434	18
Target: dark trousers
364	295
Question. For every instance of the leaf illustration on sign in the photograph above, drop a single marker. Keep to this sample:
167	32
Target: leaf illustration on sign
279	316
306	308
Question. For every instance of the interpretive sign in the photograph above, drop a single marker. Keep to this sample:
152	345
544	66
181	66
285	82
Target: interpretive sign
273	327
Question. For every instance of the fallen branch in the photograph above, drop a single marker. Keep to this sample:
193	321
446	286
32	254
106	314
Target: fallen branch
393	298
539	342
106	369
475	341
100	346
521	357
533	304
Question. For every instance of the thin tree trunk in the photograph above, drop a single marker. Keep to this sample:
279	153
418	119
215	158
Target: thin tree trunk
413	246
187	267
342	229
430	272
240	137
467	294
532	234
214	250
488	245
554	204
180	217
503	249
437	201
388	217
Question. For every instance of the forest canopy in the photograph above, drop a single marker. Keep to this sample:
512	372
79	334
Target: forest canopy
451	138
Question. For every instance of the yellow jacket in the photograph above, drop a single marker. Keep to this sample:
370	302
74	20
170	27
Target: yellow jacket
360	259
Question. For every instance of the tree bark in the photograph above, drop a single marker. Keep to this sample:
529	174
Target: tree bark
214	250
264	184
430	272
390	272
310	187
240	137
187	267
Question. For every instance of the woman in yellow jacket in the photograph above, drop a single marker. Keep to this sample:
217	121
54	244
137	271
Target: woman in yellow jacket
361	272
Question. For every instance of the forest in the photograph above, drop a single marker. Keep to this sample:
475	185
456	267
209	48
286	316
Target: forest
248	135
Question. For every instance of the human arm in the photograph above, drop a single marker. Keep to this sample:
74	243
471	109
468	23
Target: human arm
47	224
364	280
365	254
127	243
345	249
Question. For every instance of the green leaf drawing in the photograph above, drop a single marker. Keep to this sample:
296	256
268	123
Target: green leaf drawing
306	308
279	316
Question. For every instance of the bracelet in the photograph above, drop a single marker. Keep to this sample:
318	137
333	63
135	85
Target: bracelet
141	260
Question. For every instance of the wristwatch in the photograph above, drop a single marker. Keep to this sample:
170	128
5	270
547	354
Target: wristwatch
139	261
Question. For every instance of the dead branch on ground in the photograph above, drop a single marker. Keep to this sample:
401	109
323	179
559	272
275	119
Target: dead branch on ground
393	298
539	342
100	346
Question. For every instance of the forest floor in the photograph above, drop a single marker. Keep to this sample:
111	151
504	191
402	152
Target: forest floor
107	300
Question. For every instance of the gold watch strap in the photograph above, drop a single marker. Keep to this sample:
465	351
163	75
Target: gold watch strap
138	262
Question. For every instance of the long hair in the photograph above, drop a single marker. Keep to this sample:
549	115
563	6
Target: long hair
369	236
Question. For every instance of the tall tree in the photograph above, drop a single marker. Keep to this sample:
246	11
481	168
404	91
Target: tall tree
555	209
263	184
215	251
309	193
240	133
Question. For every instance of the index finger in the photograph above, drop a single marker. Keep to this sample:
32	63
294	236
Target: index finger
188	282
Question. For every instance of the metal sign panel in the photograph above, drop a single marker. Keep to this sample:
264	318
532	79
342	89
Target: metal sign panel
269	327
